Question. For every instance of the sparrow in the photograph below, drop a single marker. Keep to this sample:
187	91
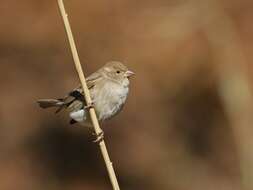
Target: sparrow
109	88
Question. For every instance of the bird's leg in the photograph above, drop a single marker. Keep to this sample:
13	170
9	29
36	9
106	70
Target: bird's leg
89	106
99	137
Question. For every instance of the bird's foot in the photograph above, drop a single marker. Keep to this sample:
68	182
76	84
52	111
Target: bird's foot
89	106
99	137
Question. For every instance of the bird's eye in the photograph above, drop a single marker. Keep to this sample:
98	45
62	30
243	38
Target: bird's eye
118	72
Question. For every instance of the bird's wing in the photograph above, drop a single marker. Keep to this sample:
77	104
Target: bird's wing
90	81
93	79
76	96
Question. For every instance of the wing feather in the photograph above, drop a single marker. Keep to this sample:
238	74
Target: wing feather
75	99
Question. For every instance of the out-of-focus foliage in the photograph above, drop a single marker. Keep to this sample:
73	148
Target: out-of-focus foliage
186	125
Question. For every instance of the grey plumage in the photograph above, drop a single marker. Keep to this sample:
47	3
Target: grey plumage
47	103
108	87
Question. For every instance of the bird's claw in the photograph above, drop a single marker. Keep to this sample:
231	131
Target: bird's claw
100	137
89	106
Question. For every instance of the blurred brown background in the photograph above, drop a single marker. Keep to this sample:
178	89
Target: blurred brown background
187	124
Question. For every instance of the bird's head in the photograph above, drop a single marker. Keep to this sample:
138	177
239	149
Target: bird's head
117	71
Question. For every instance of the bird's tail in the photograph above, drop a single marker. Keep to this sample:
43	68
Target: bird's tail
48	103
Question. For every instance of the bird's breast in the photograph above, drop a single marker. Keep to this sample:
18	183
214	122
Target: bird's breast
109	99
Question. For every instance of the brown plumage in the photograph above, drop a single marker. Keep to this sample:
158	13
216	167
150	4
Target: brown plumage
108	87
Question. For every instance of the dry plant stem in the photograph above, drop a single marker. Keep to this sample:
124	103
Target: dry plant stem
92	112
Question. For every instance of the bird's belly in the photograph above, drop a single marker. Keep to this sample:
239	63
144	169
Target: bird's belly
110	102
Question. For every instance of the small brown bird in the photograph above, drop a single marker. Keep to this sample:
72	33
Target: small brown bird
109	87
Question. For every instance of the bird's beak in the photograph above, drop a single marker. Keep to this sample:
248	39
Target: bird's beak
128	74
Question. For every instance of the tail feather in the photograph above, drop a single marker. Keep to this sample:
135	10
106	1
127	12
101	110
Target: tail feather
47	103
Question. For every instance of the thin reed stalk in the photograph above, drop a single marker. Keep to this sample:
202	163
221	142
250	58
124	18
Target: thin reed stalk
88	99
